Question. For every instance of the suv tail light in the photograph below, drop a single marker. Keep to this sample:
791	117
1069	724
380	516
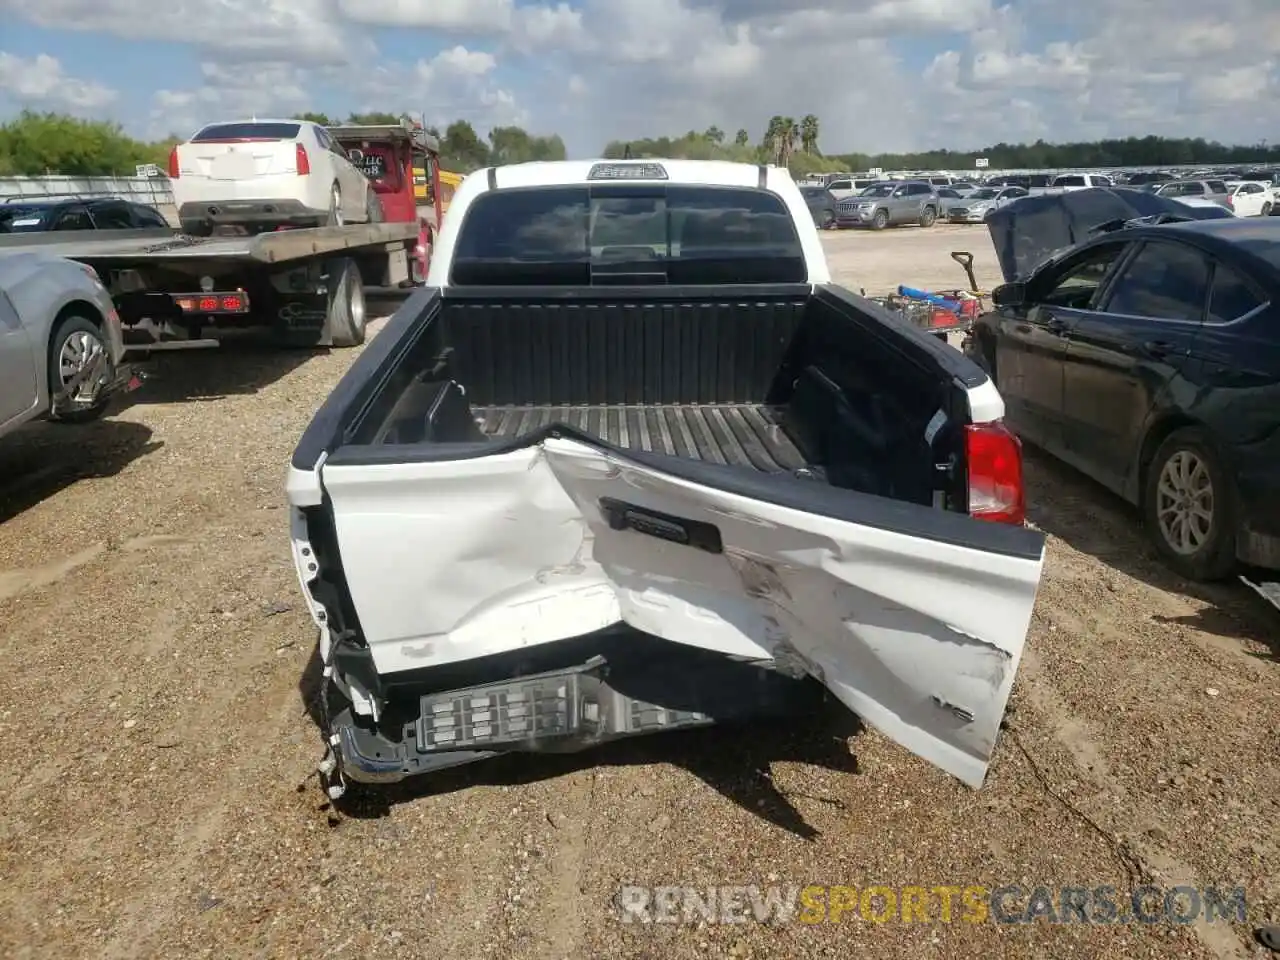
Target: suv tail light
304	162
173	164
994	458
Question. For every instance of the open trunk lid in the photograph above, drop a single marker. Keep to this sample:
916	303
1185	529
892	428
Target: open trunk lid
1031	230
914	618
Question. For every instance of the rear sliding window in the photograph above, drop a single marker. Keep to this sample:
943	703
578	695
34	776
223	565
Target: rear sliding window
580	236
247	131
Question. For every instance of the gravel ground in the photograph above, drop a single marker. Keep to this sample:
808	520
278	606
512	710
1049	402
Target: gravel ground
160	801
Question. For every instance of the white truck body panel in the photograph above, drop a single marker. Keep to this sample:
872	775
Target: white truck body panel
451	561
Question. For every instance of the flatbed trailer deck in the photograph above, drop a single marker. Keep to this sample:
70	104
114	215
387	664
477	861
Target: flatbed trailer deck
305	287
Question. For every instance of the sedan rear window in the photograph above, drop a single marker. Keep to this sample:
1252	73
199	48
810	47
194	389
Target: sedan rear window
216	132
578	236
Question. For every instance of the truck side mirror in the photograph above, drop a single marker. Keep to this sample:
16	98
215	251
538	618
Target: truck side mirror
1010	294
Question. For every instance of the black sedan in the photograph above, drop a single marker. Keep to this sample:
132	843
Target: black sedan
108	213
821	204
1149	358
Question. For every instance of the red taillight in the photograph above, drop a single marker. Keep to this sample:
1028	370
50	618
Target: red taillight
304	162
994	458
213	303
173	164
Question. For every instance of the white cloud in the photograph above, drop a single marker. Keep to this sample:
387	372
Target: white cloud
41	82
595	70
298	31
453	16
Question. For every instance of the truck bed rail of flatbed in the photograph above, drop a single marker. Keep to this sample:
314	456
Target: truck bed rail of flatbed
131	246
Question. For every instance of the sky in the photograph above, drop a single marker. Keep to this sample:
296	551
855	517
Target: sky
881	75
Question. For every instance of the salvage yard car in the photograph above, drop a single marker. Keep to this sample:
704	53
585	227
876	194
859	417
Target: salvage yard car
632	463
1148	358
60	342
891	203
978	205
265	174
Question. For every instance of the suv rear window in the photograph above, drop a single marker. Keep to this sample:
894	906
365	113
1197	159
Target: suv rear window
579	236
1070	180
216	132
16	219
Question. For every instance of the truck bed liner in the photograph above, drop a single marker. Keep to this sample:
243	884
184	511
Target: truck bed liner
735	434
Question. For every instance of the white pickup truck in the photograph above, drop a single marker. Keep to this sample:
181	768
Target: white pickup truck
631	463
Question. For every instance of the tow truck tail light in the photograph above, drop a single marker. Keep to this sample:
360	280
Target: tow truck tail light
233	301
994	458
304	162
174	167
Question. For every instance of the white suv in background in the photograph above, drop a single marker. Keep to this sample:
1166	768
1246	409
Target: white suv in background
267	174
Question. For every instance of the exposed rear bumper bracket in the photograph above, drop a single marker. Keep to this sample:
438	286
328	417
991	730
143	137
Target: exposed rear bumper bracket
557	712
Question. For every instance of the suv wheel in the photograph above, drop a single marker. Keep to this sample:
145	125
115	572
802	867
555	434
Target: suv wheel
927	217
881	219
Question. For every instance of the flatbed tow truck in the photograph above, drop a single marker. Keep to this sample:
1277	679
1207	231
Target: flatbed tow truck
303	287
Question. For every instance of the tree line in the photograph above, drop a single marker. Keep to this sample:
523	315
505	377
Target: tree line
34	144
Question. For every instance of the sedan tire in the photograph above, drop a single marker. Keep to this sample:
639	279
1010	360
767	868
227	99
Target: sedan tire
76	343
1189	507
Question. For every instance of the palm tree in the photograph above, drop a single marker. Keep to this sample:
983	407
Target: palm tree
773	138
743	138
809	133
788	133
715	135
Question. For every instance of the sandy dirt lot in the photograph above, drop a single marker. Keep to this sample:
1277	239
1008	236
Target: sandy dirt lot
159	799
878	261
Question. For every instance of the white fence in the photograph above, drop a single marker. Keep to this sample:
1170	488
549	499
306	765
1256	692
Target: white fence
151	190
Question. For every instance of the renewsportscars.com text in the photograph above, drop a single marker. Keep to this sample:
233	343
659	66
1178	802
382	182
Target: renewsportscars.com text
1012	904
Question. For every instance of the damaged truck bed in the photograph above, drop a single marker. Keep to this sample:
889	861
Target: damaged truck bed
537	515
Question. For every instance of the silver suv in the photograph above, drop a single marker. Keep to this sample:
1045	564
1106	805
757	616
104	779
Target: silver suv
891	202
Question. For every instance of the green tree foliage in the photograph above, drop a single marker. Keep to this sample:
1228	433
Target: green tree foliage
48	143
515	145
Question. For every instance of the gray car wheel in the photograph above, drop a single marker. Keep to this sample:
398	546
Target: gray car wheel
79	369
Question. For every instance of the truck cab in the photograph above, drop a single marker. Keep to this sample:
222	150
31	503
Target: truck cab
388	154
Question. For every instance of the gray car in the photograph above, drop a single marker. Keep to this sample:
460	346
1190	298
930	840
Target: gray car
61	348
975	207
891	202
